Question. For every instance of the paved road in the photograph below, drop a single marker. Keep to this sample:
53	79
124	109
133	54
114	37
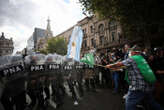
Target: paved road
101	100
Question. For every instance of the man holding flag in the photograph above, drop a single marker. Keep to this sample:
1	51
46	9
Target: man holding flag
141	80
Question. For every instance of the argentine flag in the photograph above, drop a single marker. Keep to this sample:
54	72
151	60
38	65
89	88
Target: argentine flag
74	44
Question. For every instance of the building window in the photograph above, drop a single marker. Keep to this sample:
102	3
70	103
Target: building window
84	31
93	43
84	43
112	26
119	37
113	36
101	40
91	28
101	28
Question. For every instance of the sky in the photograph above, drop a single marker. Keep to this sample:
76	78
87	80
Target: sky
18	18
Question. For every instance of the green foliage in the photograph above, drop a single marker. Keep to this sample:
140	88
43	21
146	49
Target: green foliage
137	17
57	45
43	51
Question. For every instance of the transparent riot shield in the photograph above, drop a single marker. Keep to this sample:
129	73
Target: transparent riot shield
13	77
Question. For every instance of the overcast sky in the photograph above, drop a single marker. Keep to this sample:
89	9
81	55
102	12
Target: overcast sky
18	18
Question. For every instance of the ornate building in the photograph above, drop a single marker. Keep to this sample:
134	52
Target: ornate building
42	42
48	30
101	35
6	46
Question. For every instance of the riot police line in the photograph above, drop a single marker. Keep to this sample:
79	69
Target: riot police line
39	81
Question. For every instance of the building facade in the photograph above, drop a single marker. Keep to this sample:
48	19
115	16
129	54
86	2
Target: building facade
99	35
66	34
39	38
6	46
42	41
37	35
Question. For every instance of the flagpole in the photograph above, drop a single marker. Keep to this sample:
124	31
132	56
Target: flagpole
100	65
110	68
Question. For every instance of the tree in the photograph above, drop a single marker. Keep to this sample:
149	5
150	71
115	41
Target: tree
142	18
57	45
43	51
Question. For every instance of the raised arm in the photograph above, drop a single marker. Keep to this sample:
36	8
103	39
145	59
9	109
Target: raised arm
115	65
160	72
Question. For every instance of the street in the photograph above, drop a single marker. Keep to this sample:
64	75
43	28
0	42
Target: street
103	99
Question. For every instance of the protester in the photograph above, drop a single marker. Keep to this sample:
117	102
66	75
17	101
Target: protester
124	84
159	70
104	71
114	74
126	51
138	87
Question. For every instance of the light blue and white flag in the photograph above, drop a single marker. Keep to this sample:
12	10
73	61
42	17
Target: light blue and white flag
75	43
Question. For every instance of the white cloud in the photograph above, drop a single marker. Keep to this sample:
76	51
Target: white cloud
63	14
19	35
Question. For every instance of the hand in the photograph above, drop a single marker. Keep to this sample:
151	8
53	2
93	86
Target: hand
160	72
107	66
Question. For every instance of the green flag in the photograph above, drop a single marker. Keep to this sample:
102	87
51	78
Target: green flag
144	68
88	59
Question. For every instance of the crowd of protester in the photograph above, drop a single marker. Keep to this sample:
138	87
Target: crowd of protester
115	79
43	91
